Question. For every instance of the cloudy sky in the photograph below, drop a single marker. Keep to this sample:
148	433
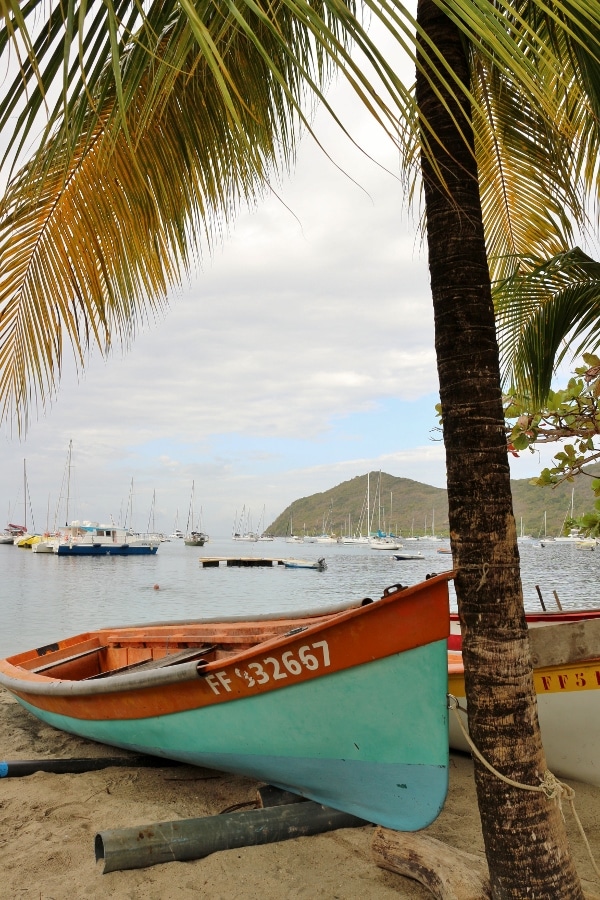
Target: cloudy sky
300	356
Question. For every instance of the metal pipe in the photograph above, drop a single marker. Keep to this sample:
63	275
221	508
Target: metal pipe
185	839
17	768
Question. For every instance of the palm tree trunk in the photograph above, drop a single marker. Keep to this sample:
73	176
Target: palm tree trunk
525	840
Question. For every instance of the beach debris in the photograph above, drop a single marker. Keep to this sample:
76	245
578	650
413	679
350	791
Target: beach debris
448	873
186	839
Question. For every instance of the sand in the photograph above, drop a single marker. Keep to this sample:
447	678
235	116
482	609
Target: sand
48	823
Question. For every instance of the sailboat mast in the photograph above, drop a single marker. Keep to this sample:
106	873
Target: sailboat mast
69	481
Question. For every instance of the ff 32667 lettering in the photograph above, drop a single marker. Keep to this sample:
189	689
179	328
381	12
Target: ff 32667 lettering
273	668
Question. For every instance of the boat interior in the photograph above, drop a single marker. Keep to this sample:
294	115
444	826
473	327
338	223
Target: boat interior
115	651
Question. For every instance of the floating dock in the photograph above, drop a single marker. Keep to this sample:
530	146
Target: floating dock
208	562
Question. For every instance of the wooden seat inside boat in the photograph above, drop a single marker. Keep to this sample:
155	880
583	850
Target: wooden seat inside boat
65	660
190	654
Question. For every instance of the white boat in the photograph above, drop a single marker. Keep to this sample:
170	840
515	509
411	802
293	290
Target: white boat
408	555
94	539
384	543
22	536
12	533
46	543
242	529
566	660
319	564
292	538
194	537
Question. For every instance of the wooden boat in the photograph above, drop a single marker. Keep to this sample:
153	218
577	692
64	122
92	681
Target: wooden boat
348	709
566	660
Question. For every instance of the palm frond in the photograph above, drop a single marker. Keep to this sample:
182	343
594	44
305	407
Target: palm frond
545	314
92	236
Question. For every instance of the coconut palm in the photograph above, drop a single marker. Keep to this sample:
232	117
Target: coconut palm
502	715
170	118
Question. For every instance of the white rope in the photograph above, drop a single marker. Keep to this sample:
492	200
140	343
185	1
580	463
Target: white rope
550	786
484	570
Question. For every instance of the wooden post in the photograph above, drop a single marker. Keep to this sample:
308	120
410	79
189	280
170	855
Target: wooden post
537	587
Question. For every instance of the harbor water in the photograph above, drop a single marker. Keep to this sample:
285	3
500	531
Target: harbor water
46	597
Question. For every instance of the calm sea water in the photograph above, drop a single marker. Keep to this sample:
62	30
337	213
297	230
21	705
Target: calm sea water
46	597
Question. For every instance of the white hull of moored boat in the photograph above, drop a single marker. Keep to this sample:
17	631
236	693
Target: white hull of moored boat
568	699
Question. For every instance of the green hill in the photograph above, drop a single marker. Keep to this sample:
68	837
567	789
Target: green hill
404	507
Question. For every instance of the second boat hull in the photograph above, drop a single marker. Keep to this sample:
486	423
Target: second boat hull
568	699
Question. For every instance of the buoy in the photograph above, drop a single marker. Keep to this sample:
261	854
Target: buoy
157	587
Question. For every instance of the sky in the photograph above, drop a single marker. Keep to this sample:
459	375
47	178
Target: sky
297	357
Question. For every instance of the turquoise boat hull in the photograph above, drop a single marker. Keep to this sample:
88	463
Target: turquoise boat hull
346	763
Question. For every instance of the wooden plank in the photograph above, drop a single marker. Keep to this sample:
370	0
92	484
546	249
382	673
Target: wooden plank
558	644
67	659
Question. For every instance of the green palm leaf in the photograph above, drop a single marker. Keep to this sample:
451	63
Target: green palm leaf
163	118
547	314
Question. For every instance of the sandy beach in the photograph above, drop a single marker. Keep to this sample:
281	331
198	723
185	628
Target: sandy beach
48	823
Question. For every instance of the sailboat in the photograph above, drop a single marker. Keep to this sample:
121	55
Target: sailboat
27	538
50	539
574	537
194	537
242	530
293	538
381	540
358	537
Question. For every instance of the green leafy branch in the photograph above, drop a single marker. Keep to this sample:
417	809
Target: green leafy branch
573	412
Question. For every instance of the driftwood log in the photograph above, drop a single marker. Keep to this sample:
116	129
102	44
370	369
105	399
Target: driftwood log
448	873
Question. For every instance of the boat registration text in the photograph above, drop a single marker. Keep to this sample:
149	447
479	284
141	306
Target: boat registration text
310	657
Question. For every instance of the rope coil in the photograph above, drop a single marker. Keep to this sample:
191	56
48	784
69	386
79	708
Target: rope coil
550	786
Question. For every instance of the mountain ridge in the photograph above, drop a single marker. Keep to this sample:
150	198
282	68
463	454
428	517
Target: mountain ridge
406	507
